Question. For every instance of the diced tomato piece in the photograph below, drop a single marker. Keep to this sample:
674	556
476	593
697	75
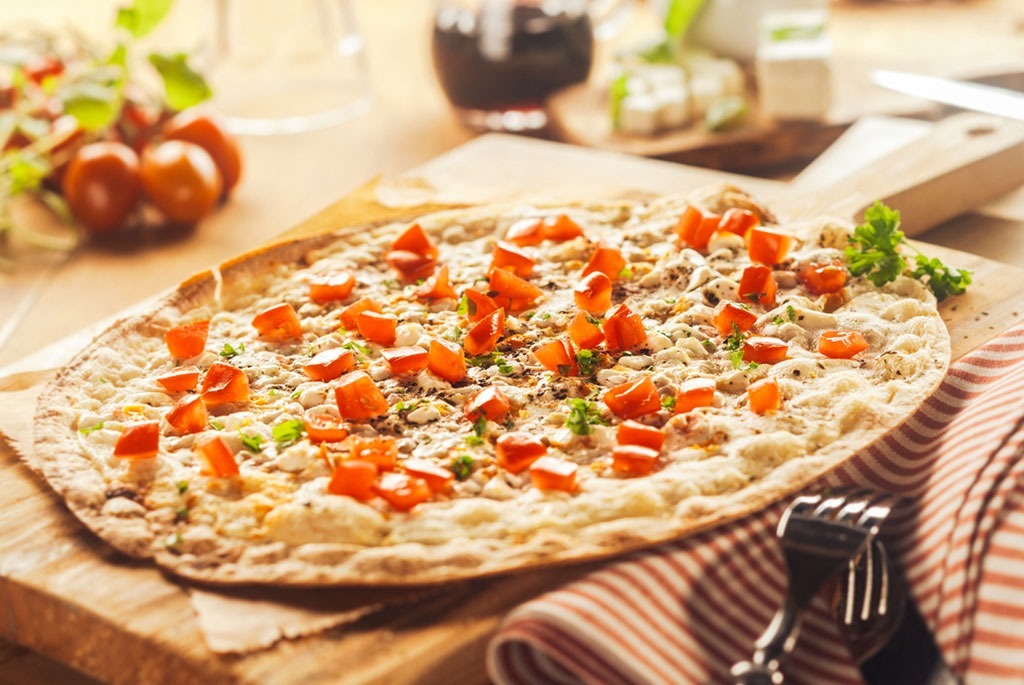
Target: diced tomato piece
349	316
446	360
512	258
526	232
215	458
607	260
402	491
510	291
382	451
585	333
693	393
728	315
329	364
39	67
593	294
479	305
484	335
410	265
490	403
437	287
188	340
323	427
696	226
188	415
841	344
561	228
358	397
757	284
403	360
516	450
223	384
634	460
558	356
635	433
633	399
763	396
331	287
436	476
139	441
623	330
767	246
738	221
379	328
823	278
279	322
551	473
763	349
415	239
182	378
353	478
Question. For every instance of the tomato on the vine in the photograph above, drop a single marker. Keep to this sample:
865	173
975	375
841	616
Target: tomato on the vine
180	179
102	186
205	129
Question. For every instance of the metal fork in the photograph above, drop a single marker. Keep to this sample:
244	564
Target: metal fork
820	536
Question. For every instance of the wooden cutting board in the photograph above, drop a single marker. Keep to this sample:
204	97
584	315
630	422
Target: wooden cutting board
64	593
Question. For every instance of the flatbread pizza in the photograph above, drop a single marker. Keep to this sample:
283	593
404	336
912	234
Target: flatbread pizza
484	390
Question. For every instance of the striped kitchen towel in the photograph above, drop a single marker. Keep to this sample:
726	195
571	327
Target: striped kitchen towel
686	611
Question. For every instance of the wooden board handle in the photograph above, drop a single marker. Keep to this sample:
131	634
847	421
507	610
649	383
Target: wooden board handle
965	161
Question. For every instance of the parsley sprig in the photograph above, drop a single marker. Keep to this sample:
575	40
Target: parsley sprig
875	253
583	416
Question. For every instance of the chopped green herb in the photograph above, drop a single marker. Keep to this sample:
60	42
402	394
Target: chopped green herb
288	432
480	426
182	487
295	395
181	514
492	358
357	347
587	362
173	541
230	352
91	429
736	357
216	425
474	440
625	273
874	252
708	345
790	312
583	415
546	315
594	320
253	443
526	316
735	340
406	406
464	305
454	334
668	402
391	284
462	466
778	320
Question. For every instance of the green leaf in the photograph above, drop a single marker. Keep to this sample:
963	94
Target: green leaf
680	16
182	487
183	86
229	352
253	443
668	402
942	280
288	432
586	360
91	429
463	308
480	426
462	466
94	105
878	238
26	172
619	89
142	16
583	416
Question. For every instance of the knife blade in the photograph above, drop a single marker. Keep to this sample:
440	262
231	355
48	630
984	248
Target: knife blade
963	94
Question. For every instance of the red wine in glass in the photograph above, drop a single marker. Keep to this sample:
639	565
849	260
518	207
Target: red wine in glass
499	60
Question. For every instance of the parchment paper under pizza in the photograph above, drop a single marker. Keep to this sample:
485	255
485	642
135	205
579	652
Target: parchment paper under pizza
484	390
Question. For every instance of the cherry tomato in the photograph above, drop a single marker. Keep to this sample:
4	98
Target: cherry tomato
206	130
180	179
102	185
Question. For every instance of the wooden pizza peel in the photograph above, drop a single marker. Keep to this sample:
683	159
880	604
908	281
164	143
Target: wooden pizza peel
65	594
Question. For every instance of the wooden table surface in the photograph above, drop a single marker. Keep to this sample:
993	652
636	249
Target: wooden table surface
290	177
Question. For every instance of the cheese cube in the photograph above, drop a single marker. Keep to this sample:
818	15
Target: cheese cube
674	108
639	114
705	89
794	75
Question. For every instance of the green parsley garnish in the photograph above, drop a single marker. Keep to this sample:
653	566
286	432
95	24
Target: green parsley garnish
357	347
485	360
406	406
182	487
253	443
173	541
462	466
216	425
229	351
668	402
778	320
91	429
288	432
479	430
181	514
790	312
587	361
295	395
594	320
583	415
874	252
734	344
466	306
546	315
625	273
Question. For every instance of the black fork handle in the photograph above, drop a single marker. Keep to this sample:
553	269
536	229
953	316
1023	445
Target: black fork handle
774	644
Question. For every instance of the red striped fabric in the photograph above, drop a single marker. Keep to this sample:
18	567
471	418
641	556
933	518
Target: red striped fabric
686	611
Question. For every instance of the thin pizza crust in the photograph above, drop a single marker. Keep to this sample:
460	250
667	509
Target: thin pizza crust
276	525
